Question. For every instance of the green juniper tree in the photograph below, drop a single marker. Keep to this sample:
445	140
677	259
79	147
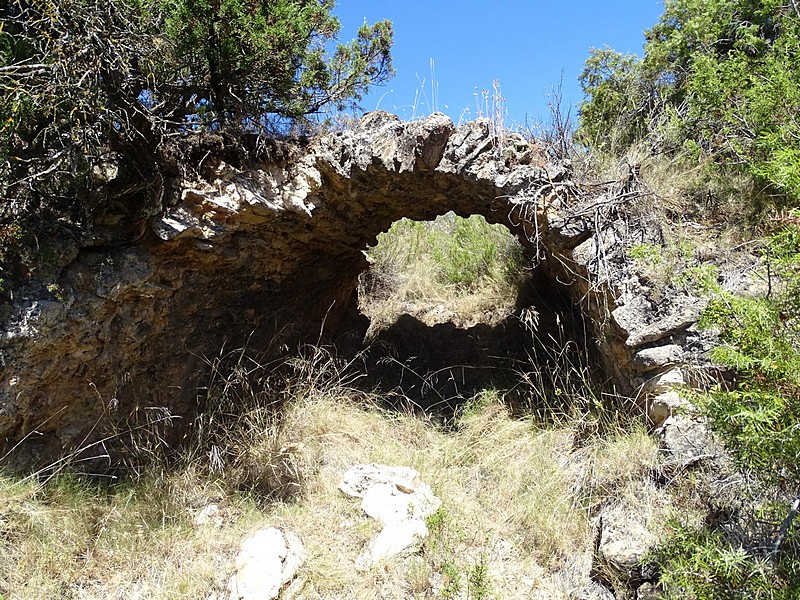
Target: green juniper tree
719	86
252	59
723	75
94	69
85	82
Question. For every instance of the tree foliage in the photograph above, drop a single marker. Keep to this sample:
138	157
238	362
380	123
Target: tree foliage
722	75
83	75
618	113
90	83
760	339
719	86
70	76
249	59
707	564
746	557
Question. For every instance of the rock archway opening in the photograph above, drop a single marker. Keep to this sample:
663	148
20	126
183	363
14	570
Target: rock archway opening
244	252
455	306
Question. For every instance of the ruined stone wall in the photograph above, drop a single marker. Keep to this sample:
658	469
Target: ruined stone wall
273	252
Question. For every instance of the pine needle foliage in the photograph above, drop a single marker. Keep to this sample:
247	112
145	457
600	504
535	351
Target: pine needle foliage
758	422
718	83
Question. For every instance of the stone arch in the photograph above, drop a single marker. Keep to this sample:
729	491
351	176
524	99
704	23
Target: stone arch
241	252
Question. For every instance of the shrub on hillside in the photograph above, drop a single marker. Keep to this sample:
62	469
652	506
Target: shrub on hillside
757	553
719	81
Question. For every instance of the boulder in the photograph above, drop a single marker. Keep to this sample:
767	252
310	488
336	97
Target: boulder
658	356
624	541
687	440
664	406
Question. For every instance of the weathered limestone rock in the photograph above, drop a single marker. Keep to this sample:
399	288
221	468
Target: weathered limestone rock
361	478
658	356
664	406
666	382
395	497
395	538
624	541
268	560
637	319
595	591
268	254
687	440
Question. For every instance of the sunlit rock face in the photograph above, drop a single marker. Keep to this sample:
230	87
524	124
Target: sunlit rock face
267	255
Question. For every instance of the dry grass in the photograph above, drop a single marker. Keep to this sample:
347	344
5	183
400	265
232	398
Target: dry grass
517	498
516	517
679	187
69	539
520	495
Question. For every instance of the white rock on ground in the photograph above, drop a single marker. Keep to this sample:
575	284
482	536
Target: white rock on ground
399	500
625	540
360	478
267	561
394	539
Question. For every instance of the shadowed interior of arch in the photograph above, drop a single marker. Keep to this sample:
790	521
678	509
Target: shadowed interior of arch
456	306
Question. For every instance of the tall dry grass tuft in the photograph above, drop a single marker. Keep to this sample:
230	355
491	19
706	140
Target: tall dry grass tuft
516	520
677	186
72	538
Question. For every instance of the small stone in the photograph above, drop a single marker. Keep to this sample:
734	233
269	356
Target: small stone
651	358
624	541
395	538
211	514
395	497
267	561
663	406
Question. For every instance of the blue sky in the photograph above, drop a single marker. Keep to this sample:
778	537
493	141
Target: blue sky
523	45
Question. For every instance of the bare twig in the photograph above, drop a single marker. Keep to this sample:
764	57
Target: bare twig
787	523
